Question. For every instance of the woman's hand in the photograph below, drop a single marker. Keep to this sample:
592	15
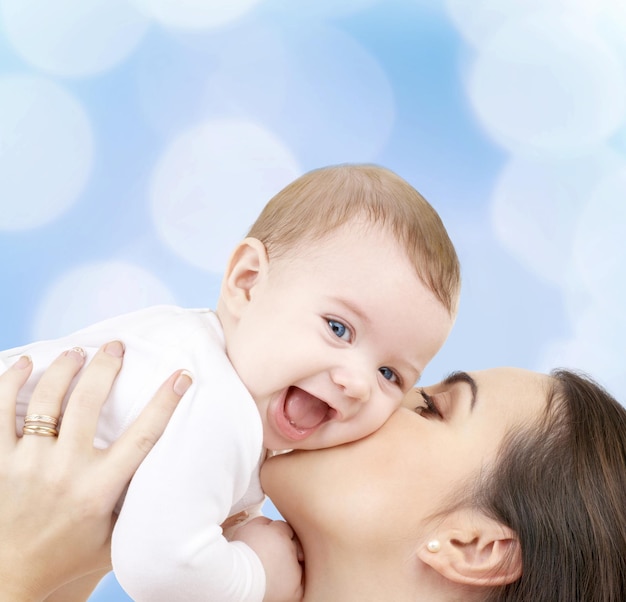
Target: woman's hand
57	494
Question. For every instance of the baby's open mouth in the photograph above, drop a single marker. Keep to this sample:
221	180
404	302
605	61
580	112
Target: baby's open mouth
304	411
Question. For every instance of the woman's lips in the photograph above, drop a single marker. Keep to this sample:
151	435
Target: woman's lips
301	414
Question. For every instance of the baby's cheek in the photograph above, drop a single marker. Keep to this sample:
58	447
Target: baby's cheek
376	421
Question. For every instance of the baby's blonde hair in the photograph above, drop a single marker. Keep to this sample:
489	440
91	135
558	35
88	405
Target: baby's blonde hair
324	199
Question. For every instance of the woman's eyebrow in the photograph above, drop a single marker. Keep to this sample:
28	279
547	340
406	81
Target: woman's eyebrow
463	377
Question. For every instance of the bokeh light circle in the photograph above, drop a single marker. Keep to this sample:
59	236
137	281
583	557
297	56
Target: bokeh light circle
93	292
548	85
600	243
478	20
595	347
73	37
536	207
320	9
46	151
195	14
211	183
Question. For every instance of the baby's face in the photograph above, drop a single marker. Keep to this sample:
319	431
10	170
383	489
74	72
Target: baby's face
334	336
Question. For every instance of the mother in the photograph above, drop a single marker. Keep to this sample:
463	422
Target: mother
495	485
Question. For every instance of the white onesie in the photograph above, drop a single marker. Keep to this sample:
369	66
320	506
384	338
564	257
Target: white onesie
167	543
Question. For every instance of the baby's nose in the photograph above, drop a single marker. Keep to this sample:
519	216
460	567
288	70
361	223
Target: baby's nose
353	381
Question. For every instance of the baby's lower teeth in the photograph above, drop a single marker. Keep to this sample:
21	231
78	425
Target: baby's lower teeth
292	423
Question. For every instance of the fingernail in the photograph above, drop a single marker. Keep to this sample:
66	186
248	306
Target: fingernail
114	348
78	353
182	383
23	362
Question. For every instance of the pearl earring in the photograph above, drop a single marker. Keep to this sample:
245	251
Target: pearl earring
433	546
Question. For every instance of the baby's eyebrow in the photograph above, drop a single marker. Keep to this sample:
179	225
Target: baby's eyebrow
355	309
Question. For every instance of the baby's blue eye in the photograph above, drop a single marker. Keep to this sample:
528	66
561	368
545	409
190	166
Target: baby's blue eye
341	330
389	374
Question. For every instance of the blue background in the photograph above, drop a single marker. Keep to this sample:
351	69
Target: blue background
140	138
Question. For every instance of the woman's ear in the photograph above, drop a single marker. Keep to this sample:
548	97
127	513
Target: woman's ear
473	549
247	268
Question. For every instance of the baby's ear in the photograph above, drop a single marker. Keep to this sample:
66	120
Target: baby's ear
472	549
247	267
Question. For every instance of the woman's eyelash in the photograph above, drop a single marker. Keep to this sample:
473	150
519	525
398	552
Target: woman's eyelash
430	407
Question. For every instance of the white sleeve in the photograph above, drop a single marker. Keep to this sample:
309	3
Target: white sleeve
167	543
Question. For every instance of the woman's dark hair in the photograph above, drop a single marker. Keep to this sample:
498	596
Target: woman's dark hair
562	489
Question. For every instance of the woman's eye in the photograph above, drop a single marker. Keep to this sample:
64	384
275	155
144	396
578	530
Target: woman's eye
389	374
430	408
340	330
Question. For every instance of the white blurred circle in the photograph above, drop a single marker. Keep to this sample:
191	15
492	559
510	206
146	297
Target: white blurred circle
211	183
195	14
596	347
547	84
46	151
478	20
536	207
610	22
306	9
73	37
94	292
600	243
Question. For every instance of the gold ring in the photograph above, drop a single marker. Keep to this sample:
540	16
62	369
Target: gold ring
41	418
45	431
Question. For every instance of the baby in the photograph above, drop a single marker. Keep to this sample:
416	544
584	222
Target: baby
345	288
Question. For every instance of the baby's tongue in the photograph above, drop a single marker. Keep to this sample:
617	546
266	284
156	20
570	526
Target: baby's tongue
303	410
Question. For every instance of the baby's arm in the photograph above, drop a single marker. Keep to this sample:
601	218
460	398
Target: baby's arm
277	546
168	544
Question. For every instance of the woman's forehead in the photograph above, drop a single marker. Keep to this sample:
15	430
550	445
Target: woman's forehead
519	392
